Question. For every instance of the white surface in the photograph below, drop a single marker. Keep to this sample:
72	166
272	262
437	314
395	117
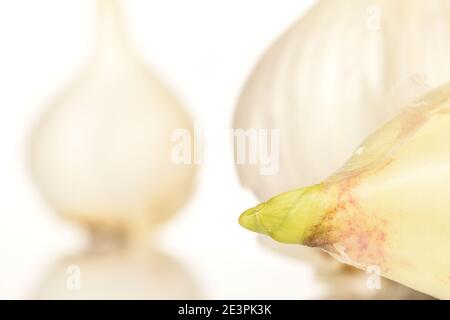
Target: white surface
203	49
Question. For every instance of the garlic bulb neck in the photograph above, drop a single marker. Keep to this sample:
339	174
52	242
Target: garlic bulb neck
111	37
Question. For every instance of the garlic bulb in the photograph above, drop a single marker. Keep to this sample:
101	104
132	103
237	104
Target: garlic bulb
334	77
101	153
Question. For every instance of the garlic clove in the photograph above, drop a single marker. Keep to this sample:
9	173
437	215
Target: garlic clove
386	209
339	73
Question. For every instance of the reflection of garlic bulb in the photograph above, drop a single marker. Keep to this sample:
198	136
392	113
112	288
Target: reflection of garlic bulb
101	153
328	82
118	275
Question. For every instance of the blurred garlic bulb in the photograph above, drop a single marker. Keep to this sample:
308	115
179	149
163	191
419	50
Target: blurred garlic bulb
101	153
336	76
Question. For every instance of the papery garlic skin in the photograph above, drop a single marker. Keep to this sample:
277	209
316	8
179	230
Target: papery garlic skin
101	153
341	281
332	79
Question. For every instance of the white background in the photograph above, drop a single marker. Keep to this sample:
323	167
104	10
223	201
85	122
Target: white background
205	50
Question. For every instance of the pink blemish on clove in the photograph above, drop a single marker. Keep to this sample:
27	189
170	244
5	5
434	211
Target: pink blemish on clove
360	234
346	225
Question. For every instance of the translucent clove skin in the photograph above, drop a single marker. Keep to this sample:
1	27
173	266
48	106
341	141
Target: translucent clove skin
387	208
